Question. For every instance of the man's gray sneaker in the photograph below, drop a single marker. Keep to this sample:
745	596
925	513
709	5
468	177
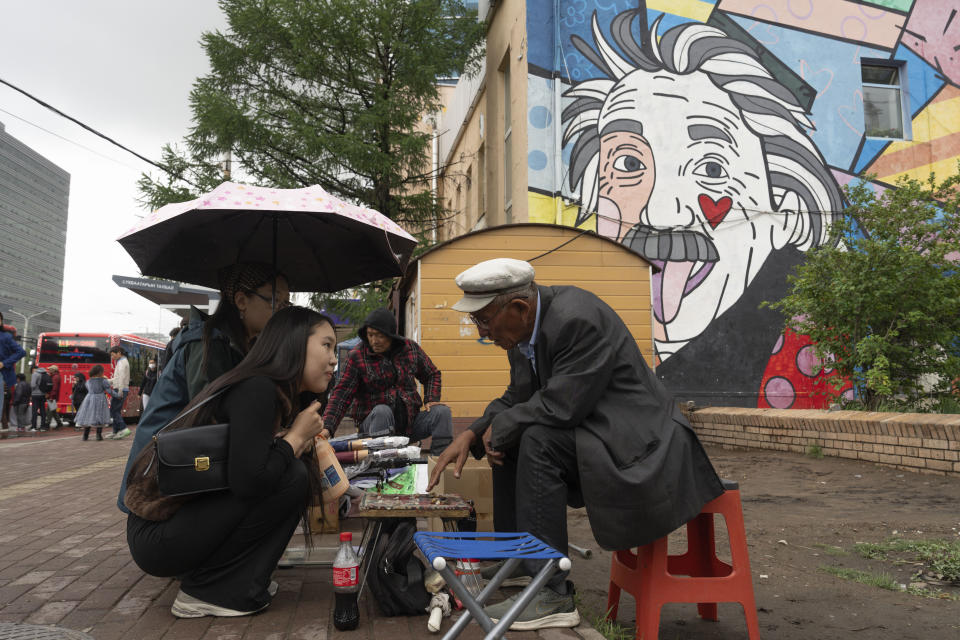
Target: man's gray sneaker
547	609
518	578
123	433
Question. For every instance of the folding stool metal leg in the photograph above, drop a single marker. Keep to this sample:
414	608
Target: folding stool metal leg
368	544
512	547
459	588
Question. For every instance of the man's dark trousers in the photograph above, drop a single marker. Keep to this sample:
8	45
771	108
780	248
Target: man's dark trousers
39	408
116	411
436	424
532	489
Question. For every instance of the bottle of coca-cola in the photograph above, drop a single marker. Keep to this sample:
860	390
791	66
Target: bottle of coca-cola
346	584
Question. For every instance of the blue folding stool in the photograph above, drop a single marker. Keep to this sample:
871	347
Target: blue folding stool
437	546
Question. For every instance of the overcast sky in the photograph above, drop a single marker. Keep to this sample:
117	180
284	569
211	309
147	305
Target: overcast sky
125	68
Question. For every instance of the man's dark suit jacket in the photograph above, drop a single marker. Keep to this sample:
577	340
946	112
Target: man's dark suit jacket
643	472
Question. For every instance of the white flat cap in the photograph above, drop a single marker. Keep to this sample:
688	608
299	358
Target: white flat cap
483	282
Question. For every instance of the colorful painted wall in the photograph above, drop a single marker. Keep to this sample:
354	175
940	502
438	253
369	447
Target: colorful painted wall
713	138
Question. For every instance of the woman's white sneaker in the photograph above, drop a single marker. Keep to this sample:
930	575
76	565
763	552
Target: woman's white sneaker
186	606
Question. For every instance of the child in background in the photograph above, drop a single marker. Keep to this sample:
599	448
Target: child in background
21	402
95	410
78	393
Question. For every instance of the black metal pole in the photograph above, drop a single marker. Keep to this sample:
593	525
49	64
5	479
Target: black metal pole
273	296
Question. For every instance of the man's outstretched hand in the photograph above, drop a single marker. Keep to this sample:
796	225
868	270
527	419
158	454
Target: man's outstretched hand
456	453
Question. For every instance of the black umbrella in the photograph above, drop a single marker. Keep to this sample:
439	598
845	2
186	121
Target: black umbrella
321	243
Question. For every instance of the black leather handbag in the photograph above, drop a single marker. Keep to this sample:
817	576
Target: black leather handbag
176	464
192	460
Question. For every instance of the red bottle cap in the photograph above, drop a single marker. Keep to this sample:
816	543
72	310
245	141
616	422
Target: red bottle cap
346	535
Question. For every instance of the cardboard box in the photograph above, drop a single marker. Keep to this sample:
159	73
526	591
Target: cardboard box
475	483
327	521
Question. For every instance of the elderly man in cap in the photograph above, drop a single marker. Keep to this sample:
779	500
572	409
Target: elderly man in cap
583	422
380	379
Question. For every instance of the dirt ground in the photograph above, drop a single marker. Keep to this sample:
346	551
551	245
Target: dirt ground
795	507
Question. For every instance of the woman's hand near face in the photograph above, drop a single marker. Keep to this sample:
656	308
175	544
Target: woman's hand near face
306	425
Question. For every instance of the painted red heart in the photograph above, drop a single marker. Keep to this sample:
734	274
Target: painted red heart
715	210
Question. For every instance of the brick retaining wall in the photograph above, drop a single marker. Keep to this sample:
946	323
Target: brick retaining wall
922	442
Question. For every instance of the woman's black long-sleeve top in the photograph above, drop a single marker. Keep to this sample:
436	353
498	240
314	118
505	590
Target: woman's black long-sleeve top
257	458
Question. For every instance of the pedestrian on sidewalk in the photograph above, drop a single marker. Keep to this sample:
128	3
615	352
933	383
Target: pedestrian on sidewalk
53	399
149	382
10	354
94	412
20	414
40	385
120	388
78	393
224	545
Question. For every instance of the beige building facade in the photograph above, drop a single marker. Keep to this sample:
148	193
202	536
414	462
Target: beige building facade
483	137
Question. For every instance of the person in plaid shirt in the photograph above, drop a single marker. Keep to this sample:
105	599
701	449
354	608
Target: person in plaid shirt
381	375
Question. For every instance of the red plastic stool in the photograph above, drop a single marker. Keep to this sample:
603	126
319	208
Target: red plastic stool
654	578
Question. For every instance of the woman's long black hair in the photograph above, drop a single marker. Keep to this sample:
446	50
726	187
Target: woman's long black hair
280	354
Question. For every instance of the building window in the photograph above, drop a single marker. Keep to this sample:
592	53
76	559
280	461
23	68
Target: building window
883	101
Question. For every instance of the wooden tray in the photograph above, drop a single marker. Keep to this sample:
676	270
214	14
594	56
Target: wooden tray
414	505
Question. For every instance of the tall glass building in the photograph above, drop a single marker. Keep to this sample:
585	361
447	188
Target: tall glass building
33	237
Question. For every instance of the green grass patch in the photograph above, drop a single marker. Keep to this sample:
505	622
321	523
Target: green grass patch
609	629
928	592
815	451
939	557
886	581
882	580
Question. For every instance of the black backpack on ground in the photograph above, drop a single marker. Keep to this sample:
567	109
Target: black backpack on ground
396	574
45	383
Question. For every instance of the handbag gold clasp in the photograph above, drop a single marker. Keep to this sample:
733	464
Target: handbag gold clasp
202	463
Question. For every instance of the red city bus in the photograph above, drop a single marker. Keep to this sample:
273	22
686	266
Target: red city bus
75	353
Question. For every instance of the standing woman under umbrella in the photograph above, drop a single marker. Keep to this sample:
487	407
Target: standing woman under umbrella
250	293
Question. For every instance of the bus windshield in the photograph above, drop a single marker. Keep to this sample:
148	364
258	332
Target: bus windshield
83	350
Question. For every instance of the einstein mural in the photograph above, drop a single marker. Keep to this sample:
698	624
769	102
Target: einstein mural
713	138
694	155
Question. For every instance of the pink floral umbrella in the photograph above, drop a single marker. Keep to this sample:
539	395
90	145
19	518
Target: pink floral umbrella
321	243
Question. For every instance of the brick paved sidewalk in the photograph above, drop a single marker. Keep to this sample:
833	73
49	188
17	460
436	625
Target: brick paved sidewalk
64	561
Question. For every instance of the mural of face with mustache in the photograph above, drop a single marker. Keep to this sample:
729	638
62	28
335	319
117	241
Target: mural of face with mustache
682	181
687	149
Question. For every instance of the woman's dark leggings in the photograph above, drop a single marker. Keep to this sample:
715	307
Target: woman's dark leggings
223	549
